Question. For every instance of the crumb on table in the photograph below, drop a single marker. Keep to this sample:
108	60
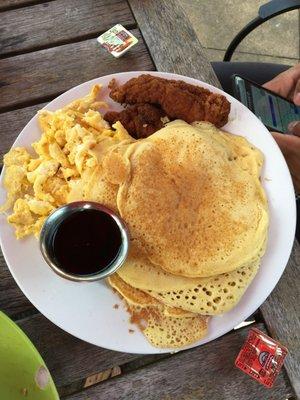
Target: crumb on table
116	306
131	330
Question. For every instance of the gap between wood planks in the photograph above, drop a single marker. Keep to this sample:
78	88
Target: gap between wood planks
34	91
143	38
21	316
22	4
114	372
59	43
29	103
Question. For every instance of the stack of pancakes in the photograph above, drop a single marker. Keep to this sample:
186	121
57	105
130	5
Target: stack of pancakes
198	218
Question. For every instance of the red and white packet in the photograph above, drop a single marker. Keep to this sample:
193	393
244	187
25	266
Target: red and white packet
261	357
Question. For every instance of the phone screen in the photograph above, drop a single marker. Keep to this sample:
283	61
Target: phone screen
274	111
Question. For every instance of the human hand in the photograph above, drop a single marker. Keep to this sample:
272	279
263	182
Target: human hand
287	84
290	147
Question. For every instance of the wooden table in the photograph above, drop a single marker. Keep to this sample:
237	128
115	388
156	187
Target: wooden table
46	48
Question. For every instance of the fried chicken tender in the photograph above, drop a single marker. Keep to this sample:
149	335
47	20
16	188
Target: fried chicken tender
177	99
140	120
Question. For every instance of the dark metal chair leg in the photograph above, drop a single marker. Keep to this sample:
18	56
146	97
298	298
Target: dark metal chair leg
265	12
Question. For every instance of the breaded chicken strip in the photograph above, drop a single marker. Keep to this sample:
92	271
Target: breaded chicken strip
176	98
140	120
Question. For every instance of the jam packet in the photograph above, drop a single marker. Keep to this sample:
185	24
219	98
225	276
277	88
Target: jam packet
261	357
117	40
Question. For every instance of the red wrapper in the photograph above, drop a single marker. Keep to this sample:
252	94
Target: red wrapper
261	357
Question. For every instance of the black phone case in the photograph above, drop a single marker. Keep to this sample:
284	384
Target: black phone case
237	96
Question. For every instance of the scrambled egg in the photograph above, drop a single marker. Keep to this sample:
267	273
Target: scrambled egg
67	149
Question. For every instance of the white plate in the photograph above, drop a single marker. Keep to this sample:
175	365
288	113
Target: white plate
86	309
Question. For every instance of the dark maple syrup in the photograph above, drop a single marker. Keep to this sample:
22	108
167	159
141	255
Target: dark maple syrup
86	242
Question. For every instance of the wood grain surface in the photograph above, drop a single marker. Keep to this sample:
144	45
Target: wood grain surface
281	312
69	359
58	22
171	40
36	77
206	372
10	4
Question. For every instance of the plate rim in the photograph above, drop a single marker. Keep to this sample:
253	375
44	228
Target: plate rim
168	75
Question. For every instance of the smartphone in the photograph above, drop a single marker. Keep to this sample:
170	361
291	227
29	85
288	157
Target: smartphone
274	111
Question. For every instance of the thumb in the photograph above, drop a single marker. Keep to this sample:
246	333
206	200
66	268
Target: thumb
288	143
294	128
296	97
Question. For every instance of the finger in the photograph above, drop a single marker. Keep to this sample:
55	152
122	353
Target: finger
285	82
296	181
294	128
284	147
280	85
296	97
289	144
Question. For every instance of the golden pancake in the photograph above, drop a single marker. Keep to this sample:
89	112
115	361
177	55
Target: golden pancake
194	203
92	186
131	295
209	295
165	331
249	157
100	183
160	326
137	297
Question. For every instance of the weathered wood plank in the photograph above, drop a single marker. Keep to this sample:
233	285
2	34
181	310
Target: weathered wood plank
12	300
56	22
205	373
281	312
69	359
35	77
11	124
10	3
171	40
7	4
